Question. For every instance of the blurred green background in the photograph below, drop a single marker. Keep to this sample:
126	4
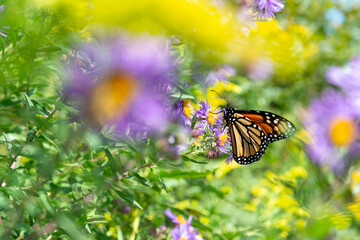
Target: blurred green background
61	180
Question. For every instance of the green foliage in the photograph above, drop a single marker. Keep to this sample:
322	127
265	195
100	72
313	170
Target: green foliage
61	180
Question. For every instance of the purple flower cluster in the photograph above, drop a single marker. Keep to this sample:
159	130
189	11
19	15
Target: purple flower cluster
210	124
206	118
267	8
333	120
332	125
221	74
122	82
348	79
183	228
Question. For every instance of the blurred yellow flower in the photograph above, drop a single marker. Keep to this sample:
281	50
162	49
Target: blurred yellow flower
302	136
250	207
23	160
355	208
108	216
112	232
183	204
224	169
355	183
286	202
300	224
213	97
259	191
295	172
271	195
188	108
340	220
283	224
290	50
226	190
204	220
166	17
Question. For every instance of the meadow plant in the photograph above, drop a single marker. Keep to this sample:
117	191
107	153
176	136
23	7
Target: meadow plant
112	119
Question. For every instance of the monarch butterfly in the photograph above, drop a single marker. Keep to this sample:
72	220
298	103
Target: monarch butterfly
252	131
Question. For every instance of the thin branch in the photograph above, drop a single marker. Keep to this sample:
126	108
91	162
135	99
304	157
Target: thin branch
138	168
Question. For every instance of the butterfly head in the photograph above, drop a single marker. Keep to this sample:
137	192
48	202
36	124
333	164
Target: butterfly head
228	111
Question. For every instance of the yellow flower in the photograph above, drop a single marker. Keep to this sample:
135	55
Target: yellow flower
283	224
286	202
24	160
340	220
108	216
211	118
223	139
220	88
292	46
221	41
197	143
295	172
188	109
259	191
250	207
300	224
355	182
226	190
224	169
355	208
204	220
111	232
183	204
110	99
181	219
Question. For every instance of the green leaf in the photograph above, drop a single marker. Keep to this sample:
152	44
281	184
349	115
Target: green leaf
70	228
184	174
111	160
128	198
160	180
8	145
199	159
181	96
30	103
142	180
46	203
320	228
120	234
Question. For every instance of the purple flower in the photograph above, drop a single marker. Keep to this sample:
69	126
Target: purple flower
2	8
179	219
185	110
333	128
206	118
183	228
223	145
221	74
267	8
122	82
229	160
185	232
348	79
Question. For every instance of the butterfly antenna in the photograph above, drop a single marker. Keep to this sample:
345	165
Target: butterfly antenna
221	96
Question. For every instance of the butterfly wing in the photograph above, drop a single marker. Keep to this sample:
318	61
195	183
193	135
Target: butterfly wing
252	131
